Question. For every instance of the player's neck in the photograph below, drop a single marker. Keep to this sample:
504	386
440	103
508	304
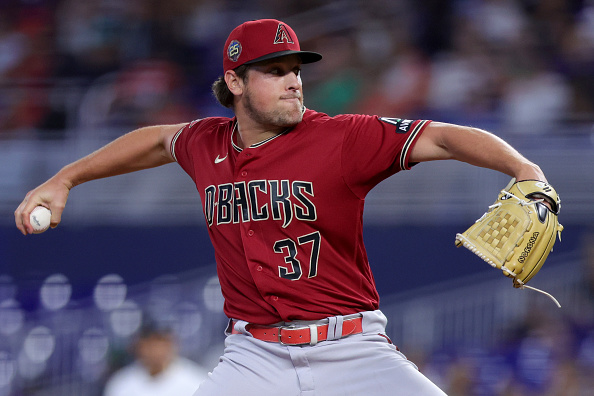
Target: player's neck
246	136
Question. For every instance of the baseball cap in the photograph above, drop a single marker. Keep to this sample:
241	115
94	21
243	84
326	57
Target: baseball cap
262	39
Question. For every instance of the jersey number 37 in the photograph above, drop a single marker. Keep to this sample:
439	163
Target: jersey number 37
289	247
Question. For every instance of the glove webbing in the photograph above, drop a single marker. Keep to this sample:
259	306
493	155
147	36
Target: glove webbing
473	249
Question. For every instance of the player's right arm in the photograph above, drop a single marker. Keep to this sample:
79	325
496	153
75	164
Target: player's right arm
140	149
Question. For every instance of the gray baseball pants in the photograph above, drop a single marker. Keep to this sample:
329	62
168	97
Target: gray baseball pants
364	364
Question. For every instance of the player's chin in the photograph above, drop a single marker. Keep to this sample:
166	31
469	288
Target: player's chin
289	118
292	121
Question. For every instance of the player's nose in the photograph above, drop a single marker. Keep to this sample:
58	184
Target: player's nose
293	81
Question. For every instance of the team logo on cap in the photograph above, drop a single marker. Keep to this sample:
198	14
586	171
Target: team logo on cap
283	35
234	50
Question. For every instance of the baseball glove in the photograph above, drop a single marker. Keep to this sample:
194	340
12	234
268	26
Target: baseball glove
518	231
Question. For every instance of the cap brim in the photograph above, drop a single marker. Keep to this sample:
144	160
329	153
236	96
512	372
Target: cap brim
306	56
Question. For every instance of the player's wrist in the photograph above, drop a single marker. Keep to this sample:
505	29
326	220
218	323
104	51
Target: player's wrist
529	171
65	178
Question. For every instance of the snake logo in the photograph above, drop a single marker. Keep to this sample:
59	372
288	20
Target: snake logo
283	35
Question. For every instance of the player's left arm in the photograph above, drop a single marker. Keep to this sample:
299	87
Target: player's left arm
441	141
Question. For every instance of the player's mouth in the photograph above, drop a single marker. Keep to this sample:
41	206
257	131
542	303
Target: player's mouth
293	101
291	97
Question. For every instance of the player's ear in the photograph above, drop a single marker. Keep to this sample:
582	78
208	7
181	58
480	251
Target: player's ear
234	83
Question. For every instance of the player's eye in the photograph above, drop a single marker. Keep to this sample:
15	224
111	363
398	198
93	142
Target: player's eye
281	71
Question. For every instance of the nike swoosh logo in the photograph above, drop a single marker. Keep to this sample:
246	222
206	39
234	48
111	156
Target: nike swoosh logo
218	160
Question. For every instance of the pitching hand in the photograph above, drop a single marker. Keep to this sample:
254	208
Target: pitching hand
51	194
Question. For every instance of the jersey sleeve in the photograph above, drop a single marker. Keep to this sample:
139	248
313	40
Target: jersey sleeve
180	144
375	148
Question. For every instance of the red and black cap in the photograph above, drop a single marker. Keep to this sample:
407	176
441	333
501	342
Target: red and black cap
262	39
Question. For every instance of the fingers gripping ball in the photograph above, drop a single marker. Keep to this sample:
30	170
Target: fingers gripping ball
40	219
518	231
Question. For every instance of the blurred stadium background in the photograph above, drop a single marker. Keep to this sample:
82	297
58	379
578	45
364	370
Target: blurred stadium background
76	74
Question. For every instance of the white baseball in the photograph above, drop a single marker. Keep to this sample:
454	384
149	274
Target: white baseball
40	219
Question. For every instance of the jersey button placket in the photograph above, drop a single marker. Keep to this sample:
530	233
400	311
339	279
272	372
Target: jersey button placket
241	164
249	236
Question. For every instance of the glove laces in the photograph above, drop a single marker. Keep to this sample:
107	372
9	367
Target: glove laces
523	286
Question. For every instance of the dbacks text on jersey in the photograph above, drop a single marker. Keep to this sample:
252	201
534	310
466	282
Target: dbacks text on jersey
257	200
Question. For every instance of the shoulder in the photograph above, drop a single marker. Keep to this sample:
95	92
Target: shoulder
200	130
210	124
312	118
204	126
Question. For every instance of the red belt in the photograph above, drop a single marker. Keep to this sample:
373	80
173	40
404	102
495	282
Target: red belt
311	334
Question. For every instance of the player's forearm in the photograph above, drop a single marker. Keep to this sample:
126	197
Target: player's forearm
137	150
480	148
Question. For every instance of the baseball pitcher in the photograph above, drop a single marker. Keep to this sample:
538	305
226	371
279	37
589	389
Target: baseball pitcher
283	189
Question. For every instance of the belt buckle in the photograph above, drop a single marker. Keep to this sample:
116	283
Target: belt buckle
280	337
313	335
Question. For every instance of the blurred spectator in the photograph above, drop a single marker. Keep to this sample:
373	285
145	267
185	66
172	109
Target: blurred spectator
14	47
464	80
494	60
537	99
541	353
24	58
140	94
158	369
339	81
460	379
499	22
89	34
402	88
577	59
150	92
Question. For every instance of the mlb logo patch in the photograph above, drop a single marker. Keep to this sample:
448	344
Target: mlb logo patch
234	50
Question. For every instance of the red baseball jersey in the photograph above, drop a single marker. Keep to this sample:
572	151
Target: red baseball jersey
285	216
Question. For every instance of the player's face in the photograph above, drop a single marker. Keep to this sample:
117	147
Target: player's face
273	94
155	352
